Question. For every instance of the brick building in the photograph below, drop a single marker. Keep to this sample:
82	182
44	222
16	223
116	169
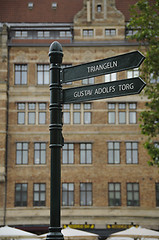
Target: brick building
105	176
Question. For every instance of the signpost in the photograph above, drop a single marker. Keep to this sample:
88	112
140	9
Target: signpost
101	67
80	94
103	90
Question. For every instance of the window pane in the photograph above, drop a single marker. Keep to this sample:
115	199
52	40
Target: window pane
42	117
21	106
135	157
31	106
21	118
66	106
42	106
89	199
132	105
25	157
76	106
110	157
87	106
76	117
40	78
117	157
24	77
36	157
66	117
18	157
46	77
111	105
42	197
87	118
122	105
71	157
122	117
111	117
128	156
17	77
82	157
132	117
31	118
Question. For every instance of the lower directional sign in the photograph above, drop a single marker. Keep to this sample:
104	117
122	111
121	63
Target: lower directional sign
104	90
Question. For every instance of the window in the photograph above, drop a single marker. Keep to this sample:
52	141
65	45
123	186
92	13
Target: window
156	150
65	34
131	152
21	190
85	153
66	115
99	8
157	194
88	33
42	113
111	113
88	81
113	152
68	153
39	153
31	113
111	77
153	79
43	34
133	73
114	194
85	194
67	194
30	5
54	5
110	32
21	113
87	114
21	34
20	74
122	113
132	194
43	74
21	153
131	32
132	113
77	113
39	194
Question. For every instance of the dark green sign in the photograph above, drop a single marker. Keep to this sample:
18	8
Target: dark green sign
101	67
104	90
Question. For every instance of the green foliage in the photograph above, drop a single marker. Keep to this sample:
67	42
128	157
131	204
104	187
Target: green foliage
145	19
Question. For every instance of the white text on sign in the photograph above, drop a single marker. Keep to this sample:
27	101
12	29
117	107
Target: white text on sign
103	66
104	90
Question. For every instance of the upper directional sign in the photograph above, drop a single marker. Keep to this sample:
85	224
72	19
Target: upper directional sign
103	90
104	66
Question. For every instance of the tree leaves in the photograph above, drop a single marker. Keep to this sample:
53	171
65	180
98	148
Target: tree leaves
145	19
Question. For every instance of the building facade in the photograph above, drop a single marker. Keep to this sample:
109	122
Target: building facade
105	177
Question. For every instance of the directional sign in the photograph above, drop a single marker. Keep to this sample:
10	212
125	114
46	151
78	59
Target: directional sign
101	67
104	90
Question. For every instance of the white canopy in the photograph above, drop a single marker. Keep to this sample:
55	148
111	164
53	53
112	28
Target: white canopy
10	232
139	232
70	232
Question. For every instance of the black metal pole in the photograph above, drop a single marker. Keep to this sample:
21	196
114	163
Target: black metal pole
56	55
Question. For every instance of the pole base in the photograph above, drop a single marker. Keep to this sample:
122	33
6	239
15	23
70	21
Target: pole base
54	234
